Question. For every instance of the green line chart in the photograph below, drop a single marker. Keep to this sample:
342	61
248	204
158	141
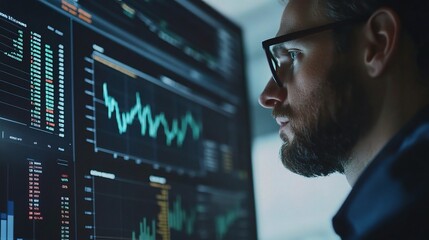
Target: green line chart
136	117
151	123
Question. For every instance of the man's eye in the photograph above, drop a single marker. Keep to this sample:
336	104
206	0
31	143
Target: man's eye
293	54
285	55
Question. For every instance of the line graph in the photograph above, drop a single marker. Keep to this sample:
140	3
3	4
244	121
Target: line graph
135	116
150	124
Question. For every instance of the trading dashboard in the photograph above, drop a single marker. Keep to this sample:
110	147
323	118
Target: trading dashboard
123	119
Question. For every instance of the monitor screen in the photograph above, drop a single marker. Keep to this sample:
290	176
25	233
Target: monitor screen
123	119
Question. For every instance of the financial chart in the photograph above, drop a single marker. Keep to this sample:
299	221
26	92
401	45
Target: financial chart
123	120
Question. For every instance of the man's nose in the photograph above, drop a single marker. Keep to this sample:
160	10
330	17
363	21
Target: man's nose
272	95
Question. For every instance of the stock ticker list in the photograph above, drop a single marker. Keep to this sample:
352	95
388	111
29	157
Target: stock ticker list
35	126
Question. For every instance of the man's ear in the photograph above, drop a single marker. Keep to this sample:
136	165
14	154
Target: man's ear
381	33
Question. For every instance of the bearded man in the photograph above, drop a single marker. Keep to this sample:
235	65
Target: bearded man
350	92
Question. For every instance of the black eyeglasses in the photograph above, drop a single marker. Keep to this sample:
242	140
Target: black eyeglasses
272	46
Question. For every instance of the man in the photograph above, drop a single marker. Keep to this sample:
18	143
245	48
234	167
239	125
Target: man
350	91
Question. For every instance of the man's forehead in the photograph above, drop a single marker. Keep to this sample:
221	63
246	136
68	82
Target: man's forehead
299	15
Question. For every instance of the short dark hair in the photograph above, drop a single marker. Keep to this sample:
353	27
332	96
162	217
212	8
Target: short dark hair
412	13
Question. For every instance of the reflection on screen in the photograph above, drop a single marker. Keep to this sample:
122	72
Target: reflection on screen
122	120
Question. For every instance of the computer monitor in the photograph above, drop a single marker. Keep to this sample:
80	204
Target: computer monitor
123	119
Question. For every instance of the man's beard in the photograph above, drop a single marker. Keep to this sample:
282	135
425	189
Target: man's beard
326	125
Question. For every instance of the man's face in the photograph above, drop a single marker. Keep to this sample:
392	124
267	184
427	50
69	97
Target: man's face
321	108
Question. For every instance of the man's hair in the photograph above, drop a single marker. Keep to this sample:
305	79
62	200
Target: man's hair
413	14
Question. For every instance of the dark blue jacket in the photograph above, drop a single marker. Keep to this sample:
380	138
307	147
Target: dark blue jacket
390	200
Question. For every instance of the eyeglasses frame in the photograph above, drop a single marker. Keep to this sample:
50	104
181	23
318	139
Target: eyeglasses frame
299	34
